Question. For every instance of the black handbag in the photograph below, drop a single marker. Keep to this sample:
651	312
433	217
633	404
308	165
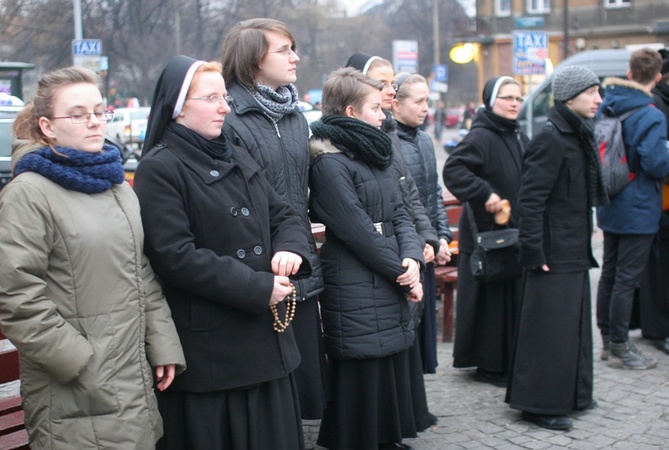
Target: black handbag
496	255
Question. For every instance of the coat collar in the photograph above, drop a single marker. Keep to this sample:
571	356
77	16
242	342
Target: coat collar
625	83
207	168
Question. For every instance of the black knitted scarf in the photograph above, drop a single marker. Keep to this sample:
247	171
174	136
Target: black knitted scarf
363	140
90	173
585	129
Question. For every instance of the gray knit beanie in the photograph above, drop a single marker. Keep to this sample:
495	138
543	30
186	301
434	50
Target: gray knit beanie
570	81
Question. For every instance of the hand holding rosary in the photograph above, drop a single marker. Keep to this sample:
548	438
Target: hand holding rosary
279	325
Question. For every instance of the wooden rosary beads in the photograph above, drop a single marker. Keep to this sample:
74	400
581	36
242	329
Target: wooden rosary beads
291	303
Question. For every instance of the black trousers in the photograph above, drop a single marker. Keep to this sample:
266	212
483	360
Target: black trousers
625	258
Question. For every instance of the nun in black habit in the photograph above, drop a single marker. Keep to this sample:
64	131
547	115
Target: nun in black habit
487	165
223	244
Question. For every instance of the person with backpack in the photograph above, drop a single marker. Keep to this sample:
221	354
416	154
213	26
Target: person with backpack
552	372
632	218
654	288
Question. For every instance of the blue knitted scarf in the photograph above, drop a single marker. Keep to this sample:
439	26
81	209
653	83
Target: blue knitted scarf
76	170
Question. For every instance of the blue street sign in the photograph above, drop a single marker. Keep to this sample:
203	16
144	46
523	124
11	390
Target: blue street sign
440	72
86	47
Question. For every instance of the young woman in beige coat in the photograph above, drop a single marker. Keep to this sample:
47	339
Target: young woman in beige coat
78	297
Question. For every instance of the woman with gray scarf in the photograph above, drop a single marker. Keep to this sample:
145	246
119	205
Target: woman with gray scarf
260	66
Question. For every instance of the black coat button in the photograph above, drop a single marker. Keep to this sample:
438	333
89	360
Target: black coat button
241	254
257	250
234	211
214	173
245	211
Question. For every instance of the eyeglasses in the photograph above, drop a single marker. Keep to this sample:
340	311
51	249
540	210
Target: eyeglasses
395	87
214	99
285	51
105	116
510	98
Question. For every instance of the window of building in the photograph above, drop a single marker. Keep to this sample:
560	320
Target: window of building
503	8
617	3
539	6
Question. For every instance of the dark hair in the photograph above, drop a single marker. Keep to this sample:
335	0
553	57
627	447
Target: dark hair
344	87
26	125
245	46
645	64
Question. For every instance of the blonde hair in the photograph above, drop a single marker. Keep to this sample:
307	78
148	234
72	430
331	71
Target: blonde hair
26	126
403	80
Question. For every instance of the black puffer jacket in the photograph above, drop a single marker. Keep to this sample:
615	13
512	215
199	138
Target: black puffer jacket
487	160
365	312
282	150
418	152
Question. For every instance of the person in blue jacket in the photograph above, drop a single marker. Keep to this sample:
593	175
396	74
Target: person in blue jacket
632	218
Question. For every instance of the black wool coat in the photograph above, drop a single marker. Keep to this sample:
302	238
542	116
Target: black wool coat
211	230
487	160
365	312
556	217
282	151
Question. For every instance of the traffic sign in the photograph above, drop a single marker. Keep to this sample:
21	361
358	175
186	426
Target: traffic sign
86	47
440	72
530	51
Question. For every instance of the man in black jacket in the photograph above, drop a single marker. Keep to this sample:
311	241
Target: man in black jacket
553	368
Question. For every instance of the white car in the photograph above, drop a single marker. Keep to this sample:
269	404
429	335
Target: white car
129	125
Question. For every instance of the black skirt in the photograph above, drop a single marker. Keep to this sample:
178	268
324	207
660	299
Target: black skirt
486	320
266	416
370	403
311	374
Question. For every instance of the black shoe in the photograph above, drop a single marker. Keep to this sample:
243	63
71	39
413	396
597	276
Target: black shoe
548	421
592	405
498	379
661	344
395	446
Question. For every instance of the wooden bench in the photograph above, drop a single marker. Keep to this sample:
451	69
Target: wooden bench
13	435
447	281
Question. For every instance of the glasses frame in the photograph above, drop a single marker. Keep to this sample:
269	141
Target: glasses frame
214	98
285	52
106	117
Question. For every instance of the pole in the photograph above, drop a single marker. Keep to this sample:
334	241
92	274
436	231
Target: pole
565	49
77	19
435	30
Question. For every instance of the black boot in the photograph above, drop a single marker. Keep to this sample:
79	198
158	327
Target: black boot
548	421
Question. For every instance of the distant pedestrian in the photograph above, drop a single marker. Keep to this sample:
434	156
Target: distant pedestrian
552	372
632	219
259	58
371	266
485	169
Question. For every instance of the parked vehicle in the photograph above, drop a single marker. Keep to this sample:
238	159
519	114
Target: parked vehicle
605	63
129	125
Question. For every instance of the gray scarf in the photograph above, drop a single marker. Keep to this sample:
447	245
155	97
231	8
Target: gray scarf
276	104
